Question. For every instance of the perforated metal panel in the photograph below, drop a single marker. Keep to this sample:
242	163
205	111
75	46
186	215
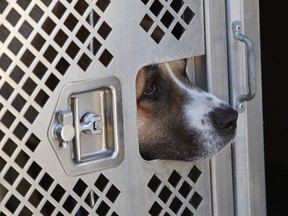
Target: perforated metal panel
45	45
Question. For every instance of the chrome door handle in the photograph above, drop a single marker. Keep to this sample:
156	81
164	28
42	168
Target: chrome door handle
251	69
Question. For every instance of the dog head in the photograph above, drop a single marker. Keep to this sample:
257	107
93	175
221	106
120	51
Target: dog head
176	119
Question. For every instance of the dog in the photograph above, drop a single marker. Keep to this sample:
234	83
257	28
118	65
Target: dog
176	119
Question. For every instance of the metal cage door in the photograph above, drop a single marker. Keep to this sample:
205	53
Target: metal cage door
60	59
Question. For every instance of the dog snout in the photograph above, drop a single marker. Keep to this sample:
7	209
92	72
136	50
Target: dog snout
225	119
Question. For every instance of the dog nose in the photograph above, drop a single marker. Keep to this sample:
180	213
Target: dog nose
225	119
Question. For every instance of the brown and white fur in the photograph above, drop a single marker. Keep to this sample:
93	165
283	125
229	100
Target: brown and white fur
176	119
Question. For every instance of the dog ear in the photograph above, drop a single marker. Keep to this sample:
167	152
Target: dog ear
140	83
178	65
185	61
185	66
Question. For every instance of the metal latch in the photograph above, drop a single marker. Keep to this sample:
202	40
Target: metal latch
69	127
86	131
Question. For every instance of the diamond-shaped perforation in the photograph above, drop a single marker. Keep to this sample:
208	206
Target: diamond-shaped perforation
38	41
22	159
48	208
70	204
25	211
4	33
174	192
103	4
12	204
103	208
13	17
82	211
174	178
165	194
32	142
104	30
36	13
19	102
15	46
194	174
1	132
156	7
82	34
113	193
35	198
101	182
23	187
9	147
196	200
48	25
185	189
154	183
155	209
46	181
11	175
24	4
17	74
59	9
20	131
80	187
6	90
106	57
34	170
5	62
58	193
81	7
3	5
161	18
7	119
2	163
175	205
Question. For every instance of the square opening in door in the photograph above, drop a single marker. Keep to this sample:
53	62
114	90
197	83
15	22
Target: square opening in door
176	119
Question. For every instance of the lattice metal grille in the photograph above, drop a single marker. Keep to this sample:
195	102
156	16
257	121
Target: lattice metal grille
174	194
42	192
28	84
163	16
40	41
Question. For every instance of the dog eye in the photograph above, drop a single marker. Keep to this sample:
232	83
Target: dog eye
149	91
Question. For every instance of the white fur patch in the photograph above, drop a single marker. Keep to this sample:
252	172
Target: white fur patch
195	112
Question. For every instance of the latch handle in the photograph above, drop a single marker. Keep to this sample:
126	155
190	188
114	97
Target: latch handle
251	69
76	145
92	124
